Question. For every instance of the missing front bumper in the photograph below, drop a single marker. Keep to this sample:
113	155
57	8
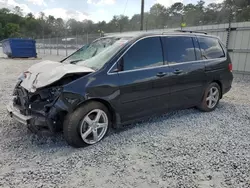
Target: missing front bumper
37	122
15	114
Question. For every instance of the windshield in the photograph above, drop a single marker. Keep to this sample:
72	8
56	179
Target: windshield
96	54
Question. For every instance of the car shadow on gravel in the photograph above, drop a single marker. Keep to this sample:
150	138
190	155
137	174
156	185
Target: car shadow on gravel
223	107
157	119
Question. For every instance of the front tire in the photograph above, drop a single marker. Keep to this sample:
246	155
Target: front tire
211	98
87	125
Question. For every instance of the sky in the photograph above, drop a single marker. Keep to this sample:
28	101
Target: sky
96	10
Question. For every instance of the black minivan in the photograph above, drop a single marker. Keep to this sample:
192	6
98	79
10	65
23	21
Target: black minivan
118	79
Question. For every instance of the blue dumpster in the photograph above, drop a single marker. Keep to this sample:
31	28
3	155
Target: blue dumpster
16	48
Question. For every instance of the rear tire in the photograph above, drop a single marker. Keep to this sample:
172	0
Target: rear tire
211	98
87	125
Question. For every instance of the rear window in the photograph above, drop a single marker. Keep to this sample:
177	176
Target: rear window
179	49
210	48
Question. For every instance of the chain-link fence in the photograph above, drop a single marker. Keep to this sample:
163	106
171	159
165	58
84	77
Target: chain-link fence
236	36
63	46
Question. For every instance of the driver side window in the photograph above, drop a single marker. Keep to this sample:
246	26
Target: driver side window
144	54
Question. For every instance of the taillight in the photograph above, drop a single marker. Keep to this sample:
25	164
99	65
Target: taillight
230	67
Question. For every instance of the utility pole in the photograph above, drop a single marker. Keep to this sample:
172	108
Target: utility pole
43	38
142	14
230	17
182	20
229	27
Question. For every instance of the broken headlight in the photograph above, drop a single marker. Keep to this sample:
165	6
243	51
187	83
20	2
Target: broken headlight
23	75
48	94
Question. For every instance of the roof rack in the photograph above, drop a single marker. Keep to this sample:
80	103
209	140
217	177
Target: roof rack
188	31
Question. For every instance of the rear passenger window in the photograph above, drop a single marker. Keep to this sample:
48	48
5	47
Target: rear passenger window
210	48
179	49
145	53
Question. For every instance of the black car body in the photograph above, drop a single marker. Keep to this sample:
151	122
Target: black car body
140	76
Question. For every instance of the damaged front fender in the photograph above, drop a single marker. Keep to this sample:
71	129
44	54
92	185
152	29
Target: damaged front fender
65	104
69	101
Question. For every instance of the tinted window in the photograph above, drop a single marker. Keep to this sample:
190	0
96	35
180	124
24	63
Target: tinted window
145	53
179	49
197	49
210	48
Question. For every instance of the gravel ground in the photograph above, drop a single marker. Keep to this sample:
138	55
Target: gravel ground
180	149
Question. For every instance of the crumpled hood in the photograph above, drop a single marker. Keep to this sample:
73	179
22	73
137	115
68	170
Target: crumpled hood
48	72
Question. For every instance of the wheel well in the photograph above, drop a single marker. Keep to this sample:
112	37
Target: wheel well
219	83
107	105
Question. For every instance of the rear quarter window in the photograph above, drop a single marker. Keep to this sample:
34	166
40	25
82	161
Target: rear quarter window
210	48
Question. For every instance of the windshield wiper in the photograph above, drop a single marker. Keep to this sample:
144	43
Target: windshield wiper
75	61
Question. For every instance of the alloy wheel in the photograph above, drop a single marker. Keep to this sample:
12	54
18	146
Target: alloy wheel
94	126
212	97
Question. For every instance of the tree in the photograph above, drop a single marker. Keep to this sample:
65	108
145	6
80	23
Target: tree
89	26
135	21
123	23
212	13
114	24
51	20
13	23
1	32
32	26
177	8
239	10
30	16
4	11
200	5
50	26
176	12
18	11
41	16
12	30
159	14
102	26
76	28
59	27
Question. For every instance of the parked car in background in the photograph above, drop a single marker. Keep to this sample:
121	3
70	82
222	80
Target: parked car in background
121	79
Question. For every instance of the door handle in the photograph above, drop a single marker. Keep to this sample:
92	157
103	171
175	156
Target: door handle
161	74
178	71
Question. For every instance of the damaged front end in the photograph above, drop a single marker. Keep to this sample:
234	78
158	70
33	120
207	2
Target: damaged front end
41	106
37	110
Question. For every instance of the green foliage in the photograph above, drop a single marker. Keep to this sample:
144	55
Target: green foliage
159	14
12	30
13	23
1	31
